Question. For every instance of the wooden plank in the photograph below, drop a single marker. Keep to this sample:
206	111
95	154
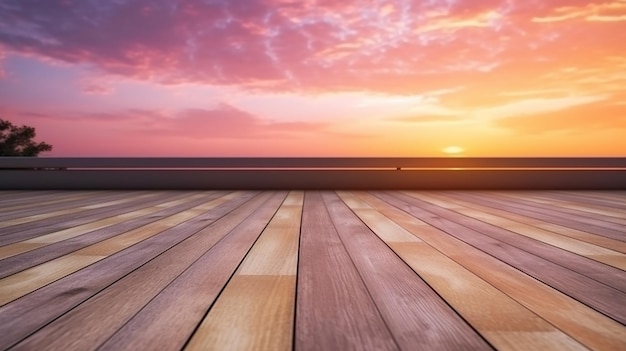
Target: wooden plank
27	197
256	308
601	213
505	323
518	200
23	316
20	284
36	228
615	199
334	309
53	237
459	198
582	323
533	258
47	239
44	203
75	208
180	202
116	304
416	316
151	328
548	216
600	254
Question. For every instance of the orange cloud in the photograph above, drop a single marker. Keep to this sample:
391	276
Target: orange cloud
612	11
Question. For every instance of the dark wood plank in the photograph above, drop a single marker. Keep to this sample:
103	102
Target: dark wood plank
200	285
116	304
23	316
416	316
516	251
334	308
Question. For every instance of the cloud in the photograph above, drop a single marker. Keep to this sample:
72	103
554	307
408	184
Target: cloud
610	11
255	44
222	122
427	119
575	119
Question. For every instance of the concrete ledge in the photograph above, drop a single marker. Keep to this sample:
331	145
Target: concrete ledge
591	179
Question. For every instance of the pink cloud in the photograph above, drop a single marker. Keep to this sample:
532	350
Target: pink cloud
292	45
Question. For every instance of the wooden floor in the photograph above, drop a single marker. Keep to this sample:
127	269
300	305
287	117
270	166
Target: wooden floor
329	270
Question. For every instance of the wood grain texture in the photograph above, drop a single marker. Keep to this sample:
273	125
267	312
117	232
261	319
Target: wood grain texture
21	317
416	316
47	239
31	230
505	323
151	328
582	323
79	329
600	254
334	308
49	252
362	270
20	284
589	210
515	202
608	243
557	268
256	309
75	208
44	203
255	312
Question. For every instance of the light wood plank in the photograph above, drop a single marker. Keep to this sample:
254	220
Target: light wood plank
587	209
44	203
334	308
21	317
14	264
74	210
416	316
200	285
22	283
558	268
43	240
168	321
505	323
256	309
492	200
31	230
606	256
459	198
518	200
582	323
77	329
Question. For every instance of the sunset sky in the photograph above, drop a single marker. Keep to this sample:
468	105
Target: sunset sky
317	77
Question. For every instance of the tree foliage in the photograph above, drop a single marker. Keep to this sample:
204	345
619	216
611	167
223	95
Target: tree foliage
18	141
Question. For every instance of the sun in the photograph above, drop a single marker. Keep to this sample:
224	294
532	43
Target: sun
453	150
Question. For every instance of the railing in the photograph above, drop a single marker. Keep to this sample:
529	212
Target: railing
312	173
